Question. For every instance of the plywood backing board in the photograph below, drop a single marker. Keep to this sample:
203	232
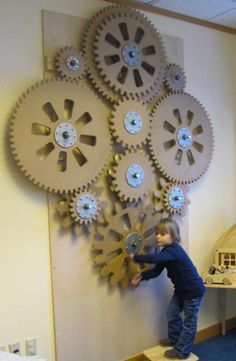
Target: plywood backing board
94	322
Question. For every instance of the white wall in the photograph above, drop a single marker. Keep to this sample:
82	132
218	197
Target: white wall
210	64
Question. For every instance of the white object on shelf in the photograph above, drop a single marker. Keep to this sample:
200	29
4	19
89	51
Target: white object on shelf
6	356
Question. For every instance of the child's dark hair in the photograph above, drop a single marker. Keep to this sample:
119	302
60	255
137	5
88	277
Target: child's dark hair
168	225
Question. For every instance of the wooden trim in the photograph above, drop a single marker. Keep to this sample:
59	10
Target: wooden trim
214	330
171	14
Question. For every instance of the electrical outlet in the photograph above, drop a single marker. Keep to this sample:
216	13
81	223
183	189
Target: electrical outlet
31	347
2	347
15	348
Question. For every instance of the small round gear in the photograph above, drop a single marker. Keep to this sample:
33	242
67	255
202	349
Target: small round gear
84	207
182	139
131	123
59	141
175	78
131	176
81	210
129	53
70	63
170	197
128	230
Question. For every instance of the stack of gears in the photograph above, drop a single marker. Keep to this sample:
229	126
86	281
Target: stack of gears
65	134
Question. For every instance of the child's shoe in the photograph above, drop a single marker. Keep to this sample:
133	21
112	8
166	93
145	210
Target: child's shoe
166	342
172	355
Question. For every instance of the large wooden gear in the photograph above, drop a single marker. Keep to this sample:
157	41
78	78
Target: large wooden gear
128	230
59	141
181	143
147	73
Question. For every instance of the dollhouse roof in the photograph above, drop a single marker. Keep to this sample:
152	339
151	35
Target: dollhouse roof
228	239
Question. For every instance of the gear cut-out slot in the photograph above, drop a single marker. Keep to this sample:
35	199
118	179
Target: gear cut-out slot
79	156
149	50
139	35
40	129
126	221
199	147
177	115
83	120
190	157
112	40
169	127
178	156
169	144
45	151
88	140
137	78
51	113
189	117
198	130
124	31
121	77
111	59
148	67
68	108
62	161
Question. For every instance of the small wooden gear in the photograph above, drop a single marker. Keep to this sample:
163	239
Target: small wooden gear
70	63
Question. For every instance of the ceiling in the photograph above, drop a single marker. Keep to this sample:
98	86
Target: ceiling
221	12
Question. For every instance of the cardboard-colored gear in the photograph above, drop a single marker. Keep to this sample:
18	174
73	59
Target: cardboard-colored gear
74	213
112	248
180	118
162	197
175	78
122	110
118	176
129	53
76	71
40	147
88	48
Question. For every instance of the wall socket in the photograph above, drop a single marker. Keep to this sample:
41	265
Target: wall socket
15	348
31	347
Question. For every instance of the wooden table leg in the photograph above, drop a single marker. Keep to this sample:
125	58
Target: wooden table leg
222	299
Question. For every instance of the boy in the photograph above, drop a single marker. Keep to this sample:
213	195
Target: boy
189	288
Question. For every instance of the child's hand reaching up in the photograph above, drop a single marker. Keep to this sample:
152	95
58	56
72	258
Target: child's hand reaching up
136	279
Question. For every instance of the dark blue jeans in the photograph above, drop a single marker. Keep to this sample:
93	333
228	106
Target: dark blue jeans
182	332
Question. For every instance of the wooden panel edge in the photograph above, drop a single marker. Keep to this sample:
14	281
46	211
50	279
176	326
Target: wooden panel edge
171	14
214	330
